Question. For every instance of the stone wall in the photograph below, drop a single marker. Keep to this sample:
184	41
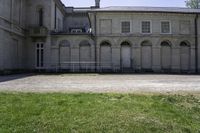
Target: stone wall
135	38
12	24
72	45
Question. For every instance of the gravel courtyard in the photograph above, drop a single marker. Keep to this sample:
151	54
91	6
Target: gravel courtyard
100	83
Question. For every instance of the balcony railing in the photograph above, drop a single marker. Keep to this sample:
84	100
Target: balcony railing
73	31
38	31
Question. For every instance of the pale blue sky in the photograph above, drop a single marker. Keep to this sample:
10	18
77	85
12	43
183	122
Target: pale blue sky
104	3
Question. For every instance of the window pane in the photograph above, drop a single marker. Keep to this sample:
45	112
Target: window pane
165	27
146	27
42	45
38	58
42	58
125	27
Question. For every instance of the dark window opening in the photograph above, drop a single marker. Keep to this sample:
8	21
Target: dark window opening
41	17
40	55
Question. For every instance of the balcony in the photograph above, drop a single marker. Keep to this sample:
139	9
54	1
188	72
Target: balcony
73	31
38	31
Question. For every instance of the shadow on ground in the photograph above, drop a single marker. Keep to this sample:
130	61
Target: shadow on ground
6	78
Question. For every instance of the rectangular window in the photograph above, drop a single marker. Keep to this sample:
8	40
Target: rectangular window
39	55
185	27
40	17
105	26
165	27
125	27
146	27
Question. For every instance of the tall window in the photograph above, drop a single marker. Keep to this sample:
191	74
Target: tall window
165	27
39	55
40	17
125	27
59	27
146	27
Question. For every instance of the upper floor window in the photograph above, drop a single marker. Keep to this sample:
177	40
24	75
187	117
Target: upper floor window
185	27
125	27
146	27
165	27
40	17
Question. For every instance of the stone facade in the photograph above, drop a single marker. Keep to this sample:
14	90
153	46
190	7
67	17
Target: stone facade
44	34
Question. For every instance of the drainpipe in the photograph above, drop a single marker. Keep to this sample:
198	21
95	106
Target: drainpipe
196	43
95	38
55	14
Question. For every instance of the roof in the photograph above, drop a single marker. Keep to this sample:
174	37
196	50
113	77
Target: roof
86	9
60	5
146	9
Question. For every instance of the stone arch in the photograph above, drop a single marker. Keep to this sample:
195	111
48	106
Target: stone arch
106	42
125	55
185	55
84	43
120	41
185	43
166	55
166	43
126	43
170	42
64	43
146	55
146	43
64	54
105	55
85	54
111	41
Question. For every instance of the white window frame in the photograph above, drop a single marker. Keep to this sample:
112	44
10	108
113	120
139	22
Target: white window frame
150	27
170	27
130	26
36	48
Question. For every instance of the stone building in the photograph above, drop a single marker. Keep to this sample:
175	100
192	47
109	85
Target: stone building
47	35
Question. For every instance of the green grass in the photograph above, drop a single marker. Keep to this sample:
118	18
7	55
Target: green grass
104	113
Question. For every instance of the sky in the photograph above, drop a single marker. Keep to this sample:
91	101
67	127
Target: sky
105	3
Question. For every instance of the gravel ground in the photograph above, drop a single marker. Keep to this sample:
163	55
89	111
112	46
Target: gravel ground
100	83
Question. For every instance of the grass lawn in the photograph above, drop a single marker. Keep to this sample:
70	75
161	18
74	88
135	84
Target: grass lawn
104	113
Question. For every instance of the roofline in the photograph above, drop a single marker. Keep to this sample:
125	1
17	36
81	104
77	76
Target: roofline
60	5
117	11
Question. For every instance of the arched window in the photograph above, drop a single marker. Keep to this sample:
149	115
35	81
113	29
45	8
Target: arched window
184	44
146	55
185	56
105	55
125	55
165	43
166	55
85	55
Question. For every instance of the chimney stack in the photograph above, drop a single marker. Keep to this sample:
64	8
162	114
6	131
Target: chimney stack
97	3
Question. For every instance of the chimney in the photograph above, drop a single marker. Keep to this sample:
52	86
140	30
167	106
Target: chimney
97	3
